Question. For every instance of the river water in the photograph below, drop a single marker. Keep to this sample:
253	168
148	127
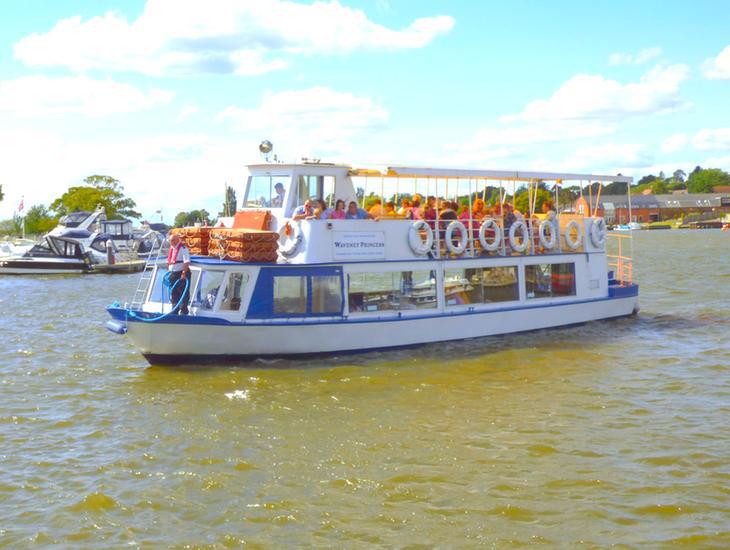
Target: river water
610	433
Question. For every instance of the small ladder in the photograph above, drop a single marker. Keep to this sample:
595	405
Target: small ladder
145	279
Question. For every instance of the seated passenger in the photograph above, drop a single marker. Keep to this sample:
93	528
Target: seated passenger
415	211
429	211
304	211
405	209
376	209
389	210
355	213
339	212
322	212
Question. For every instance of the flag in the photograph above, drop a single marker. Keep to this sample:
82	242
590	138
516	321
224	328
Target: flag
20	206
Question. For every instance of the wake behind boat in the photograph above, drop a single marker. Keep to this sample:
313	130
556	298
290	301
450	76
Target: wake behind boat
347	285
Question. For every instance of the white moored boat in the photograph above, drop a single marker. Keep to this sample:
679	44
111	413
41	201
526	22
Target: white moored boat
349	285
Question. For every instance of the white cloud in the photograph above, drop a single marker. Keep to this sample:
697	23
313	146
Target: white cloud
718	162
186	112
647	54
712	139
718	67
674	143
643	56
310	121
595	97
41	95
624	155
219	36
170	172
583	107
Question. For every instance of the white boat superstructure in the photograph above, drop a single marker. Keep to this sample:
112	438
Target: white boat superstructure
349	285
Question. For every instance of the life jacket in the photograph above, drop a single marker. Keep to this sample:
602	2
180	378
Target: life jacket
173	252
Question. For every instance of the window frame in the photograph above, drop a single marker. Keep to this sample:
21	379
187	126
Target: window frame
552	296
261	304
393	312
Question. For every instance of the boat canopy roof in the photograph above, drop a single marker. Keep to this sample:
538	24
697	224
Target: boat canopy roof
429	172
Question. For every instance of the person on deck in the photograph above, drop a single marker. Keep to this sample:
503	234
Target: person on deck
305	211
376	209
355	213
322	212
339	212
278	200
178	264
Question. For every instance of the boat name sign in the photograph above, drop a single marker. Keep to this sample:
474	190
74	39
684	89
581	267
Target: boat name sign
358	245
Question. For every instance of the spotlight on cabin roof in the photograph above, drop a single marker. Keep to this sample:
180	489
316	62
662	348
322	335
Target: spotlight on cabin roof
266	147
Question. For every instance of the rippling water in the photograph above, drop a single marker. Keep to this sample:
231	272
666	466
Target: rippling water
611	433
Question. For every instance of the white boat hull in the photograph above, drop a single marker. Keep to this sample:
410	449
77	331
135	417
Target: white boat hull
172	342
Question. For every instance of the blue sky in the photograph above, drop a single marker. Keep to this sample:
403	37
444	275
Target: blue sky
172	97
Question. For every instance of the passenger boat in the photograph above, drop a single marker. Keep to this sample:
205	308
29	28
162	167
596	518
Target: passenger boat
354	285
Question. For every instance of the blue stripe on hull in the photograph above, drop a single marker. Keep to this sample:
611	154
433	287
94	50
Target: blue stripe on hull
186	359
614	293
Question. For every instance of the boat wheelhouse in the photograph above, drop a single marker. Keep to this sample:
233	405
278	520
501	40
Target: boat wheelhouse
349	285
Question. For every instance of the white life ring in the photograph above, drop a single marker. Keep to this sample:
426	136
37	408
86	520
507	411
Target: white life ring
599	232
573	244
463	237
548	243
417	244
487	224
522	228
288	244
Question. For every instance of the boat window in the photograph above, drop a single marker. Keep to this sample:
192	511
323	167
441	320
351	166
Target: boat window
548	280
262	192
156	293
315	187
290	294
234	289
397	290
326	294
480	285
208	288
328	190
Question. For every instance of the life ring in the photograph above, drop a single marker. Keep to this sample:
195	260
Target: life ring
599	232
573	244
548	243
463	239
487	224
522	228
290	235
417	244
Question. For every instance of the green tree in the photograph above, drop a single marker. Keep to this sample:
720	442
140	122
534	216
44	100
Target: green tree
2	195
39	220
99	190
522	200
187	219
229	202
614	188
679	176
704	179
659	186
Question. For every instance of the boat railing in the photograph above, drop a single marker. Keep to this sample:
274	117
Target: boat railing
145	280
621	263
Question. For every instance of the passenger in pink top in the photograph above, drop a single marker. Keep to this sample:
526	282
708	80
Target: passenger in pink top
339	212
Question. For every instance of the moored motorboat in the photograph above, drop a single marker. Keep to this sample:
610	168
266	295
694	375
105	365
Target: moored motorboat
350	285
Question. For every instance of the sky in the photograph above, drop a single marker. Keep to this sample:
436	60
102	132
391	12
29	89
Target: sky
172	97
